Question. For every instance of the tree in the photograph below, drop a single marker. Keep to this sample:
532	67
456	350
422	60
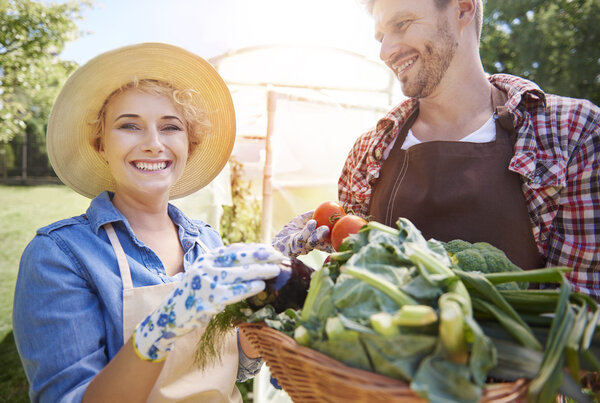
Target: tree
551	42
32	34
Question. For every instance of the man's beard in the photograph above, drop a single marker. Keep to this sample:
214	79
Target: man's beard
435	62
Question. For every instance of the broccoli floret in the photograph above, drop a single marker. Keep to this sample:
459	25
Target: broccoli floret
457	245
471	260
482	257
496	259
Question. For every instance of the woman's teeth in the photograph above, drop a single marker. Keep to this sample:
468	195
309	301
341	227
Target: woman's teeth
151	166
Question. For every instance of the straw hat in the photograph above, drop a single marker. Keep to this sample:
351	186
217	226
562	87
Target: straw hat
71	154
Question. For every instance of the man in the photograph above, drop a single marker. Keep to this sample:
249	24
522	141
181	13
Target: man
469	156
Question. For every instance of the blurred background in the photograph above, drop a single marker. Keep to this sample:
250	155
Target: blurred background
306	81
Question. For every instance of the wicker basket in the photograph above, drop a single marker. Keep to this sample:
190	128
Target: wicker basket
309	376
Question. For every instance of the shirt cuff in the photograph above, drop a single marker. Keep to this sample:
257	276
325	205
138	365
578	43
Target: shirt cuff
247	367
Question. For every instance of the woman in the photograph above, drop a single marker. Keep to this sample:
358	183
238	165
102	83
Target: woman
109	305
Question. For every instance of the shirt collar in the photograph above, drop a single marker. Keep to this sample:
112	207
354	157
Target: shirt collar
398	115
519	90
103	211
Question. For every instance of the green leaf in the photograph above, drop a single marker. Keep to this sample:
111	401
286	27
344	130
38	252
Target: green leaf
546	384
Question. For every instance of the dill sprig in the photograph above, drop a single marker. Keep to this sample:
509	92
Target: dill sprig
211	342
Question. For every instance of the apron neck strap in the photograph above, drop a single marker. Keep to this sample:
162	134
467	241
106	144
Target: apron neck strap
121	257
410	120
203	246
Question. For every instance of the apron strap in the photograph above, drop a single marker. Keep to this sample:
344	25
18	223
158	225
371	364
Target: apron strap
121	257
203	245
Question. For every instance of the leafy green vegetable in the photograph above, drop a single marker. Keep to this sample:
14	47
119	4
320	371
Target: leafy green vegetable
358	311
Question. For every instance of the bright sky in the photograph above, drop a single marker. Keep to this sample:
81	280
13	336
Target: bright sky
212	27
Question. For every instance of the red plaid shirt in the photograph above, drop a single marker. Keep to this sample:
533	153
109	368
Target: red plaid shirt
557	154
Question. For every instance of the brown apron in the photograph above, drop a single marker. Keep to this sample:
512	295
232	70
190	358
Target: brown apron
459	190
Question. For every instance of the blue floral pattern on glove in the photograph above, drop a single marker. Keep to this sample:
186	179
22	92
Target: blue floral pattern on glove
223	276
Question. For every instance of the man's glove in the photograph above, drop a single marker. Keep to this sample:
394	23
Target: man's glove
301	235
223	276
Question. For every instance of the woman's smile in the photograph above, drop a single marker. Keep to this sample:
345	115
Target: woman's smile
151	166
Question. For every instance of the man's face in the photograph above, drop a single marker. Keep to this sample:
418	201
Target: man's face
416	43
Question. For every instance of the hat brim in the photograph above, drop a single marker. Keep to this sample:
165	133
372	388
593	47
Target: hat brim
79	165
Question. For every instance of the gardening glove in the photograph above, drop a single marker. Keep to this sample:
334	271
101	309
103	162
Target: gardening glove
301	235
223	276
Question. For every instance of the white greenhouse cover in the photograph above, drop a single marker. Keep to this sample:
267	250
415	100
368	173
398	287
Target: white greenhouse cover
324	98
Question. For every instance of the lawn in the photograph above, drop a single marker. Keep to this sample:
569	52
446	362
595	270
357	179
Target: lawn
23	209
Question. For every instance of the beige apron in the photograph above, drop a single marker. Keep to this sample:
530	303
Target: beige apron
180	380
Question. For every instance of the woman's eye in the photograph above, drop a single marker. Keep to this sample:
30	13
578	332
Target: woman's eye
172	128
128	126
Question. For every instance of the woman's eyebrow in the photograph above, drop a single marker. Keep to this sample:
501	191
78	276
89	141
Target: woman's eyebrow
127	115
172	117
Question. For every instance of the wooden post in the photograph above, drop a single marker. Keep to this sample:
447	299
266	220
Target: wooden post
267	201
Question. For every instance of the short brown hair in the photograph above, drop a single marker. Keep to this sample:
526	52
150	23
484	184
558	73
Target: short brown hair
441	4
185	101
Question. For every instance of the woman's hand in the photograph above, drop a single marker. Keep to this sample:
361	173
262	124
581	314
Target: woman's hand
224	276
301	235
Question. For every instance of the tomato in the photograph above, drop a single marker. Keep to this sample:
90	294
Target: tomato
327	213
348	224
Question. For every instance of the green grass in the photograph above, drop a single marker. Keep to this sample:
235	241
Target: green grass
23	209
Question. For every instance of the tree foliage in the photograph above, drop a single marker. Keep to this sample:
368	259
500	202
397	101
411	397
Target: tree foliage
32	34
551	42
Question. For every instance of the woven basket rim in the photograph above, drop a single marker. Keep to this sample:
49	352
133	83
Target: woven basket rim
309	375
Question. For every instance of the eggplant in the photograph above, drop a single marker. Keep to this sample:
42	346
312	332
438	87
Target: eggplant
286	291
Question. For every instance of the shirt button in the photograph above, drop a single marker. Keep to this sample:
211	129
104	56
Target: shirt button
187	244
378	154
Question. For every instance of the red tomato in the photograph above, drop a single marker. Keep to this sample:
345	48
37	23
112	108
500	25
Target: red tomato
348	224
327	213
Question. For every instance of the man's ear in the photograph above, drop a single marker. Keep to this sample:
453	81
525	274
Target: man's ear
466	11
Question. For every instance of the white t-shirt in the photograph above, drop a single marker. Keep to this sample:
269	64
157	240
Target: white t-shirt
484	134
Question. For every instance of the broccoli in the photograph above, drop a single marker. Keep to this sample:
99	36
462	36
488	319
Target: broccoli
457	245
482	257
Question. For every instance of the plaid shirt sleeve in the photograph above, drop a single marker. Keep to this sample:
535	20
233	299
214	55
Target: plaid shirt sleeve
354	191
557	153
573	236
562	186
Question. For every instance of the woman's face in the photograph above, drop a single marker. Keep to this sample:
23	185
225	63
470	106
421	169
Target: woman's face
145	143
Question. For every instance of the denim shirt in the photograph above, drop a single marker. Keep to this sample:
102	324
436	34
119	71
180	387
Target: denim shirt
68	303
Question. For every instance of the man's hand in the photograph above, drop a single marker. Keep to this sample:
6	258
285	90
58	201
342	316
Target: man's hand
301	235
